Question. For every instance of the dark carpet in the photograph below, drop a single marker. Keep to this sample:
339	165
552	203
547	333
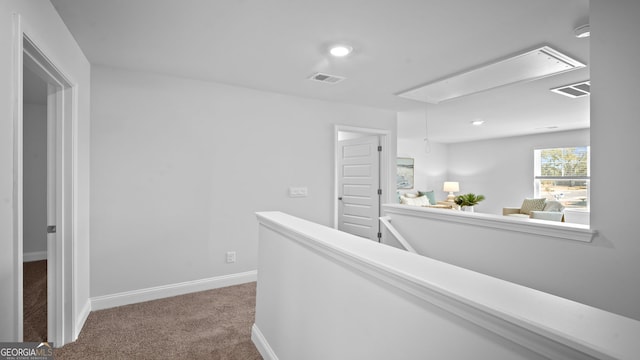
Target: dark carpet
214	324
34	301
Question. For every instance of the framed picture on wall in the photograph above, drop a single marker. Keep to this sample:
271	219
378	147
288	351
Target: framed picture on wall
405	173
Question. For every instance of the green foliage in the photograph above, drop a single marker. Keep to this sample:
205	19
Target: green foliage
564	162
469	199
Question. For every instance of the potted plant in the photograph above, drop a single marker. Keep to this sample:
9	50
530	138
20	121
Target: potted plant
468	201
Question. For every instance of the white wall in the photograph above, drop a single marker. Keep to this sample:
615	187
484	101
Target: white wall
324	294
41	22
35	178
310	305
502	169
179	167
430	169
430	162
500	249
614	131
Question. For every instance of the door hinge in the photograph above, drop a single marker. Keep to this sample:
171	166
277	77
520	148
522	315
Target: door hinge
379	147
51	229
379	191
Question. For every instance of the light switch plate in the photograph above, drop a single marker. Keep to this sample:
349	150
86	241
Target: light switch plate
298	191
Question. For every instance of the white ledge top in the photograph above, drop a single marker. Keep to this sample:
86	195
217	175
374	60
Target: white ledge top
591	331
555	229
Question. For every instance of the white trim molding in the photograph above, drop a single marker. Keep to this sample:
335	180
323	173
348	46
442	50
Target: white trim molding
18	187
558	230
262	344
34	256
159	292
386	221
81	319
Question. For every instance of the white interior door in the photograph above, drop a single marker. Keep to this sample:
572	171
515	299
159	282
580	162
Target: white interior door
359	186
52	218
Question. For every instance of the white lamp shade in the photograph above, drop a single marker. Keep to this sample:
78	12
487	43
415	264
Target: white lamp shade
451	186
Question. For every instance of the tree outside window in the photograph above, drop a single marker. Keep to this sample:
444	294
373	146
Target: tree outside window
563	174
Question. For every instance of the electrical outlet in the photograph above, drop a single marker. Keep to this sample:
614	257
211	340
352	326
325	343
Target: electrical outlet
231	257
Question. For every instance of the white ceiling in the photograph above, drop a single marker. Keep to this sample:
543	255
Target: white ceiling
276	45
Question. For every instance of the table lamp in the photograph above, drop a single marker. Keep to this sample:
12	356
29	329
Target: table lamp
451	187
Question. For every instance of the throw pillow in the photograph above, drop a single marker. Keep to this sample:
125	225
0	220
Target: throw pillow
415	201
529	205
431	195
553	206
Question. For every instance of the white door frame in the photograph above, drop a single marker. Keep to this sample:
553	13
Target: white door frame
62	129
385	163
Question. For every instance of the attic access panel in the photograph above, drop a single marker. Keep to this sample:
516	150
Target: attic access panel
531	65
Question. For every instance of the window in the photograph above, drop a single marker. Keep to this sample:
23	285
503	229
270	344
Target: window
563	174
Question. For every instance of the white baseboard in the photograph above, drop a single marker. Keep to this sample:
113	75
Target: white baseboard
261	344
34	256
81	319
159	292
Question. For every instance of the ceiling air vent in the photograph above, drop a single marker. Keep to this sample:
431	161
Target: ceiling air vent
326	78
576	90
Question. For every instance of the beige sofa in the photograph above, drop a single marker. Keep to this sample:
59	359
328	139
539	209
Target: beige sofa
537	209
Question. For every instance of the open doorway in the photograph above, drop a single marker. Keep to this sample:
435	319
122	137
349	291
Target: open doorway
361	172
43	144
34	116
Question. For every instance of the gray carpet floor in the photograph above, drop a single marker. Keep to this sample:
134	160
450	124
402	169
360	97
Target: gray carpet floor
214	324
34	301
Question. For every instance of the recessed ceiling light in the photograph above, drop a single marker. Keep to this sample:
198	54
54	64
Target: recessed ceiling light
340	50
477	122
583	31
